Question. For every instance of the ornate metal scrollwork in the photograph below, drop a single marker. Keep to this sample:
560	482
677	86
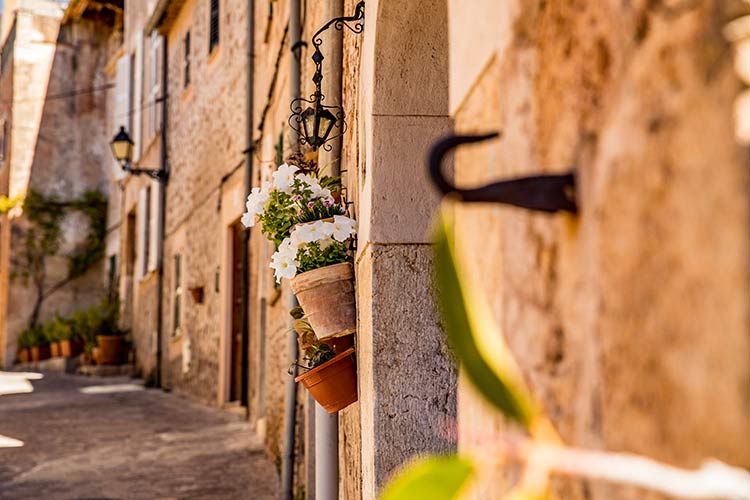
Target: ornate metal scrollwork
355	24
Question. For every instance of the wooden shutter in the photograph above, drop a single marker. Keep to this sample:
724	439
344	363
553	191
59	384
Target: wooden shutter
154	223
142	232
214	26
121	116
138	99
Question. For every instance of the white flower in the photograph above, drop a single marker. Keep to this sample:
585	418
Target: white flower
284	265
343	227
308	233
248	220
325	242
256	201
283	178
288	247
317	190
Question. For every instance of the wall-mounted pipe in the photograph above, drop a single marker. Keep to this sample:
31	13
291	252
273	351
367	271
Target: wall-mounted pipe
290	407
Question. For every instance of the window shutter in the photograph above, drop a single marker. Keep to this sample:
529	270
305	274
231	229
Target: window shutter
153	239
142	232
214	26
154	115
122	100
138	99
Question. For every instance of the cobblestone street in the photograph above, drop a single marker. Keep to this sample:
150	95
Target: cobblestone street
89	438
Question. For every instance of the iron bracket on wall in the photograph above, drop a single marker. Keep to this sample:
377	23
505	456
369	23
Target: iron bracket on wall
355	24
543	193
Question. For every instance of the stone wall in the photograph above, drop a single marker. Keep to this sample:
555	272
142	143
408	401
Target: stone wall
626	318
56	146
206	139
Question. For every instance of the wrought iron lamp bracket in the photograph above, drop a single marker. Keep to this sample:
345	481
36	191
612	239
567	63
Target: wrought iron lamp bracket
159	175
543	193
355	24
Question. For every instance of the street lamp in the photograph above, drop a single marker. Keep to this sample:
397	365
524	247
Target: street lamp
315	123
122	149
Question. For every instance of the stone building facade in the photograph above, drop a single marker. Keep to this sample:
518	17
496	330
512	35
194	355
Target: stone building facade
54	105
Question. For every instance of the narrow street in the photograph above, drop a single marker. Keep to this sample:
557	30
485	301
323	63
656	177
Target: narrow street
89	438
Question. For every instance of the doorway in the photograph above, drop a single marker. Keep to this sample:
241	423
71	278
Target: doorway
235	344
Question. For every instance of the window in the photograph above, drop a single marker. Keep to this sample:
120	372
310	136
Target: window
154	84
213	40
144	230
112	276
186	67
177	293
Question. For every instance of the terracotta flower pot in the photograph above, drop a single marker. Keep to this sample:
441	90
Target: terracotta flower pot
70	348
334	383
327	297
40	352
109	349
340	344
24	355
54	349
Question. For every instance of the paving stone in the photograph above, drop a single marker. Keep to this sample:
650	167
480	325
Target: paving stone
122	442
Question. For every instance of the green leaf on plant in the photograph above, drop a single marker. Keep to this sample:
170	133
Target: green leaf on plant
474	335
430	478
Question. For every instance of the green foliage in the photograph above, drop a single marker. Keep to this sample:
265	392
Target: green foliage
311	256
431	478
43	238
476	341
101	319
93	204
31	337
297	313
278	219
56	330
318	353
317	209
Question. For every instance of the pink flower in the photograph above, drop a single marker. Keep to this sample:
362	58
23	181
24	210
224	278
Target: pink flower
296	198
311	204
326	203
299	212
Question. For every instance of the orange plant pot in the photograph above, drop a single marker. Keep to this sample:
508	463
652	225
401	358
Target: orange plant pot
54	349
24	355
40	352
109	349
334	383
327	297
70	348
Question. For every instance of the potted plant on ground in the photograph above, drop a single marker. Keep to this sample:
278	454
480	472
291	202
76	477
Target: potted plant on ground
331	378
69	344
25	342
39	346
109	338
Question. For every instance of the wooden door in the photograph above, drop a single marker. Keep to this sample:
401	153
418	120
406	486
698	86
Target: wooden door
235	391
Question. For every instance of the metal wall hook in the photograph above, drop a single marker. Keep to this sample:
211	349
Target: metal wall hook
544	193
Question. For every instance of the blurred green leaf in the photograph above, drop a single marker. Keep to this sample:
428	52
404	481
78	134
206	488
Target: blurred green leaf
430	478
474	335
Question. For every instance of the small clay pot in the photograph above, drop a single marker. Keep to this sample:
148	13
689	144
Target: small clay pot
109	349
24	355
54	349
334	383
40	352
340	344
327	297
70	348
